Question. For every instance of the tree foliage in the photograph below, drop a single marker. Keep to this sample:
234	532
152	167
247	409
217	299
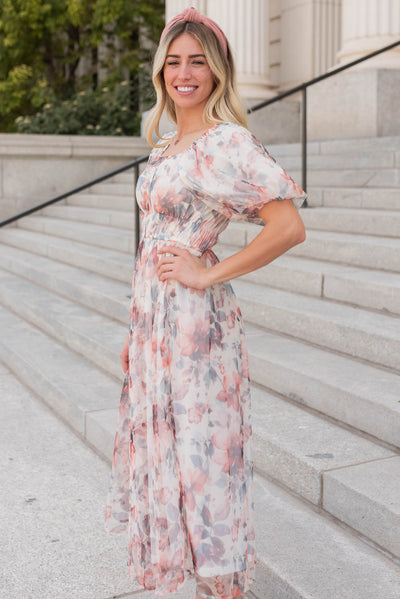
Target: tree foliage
50	50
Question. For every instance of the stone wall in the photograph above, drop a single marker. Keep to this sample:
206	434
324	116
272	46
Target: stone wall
35	168
355	103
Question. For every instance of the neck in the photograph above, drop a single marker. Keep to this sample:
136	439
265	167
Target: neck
188	121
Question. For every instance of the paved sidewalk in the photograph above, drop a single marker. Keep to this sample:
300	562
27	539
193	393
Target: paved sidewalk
52	494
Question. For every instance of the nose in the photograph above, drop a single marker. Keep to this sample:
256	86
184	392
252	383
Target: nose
184	71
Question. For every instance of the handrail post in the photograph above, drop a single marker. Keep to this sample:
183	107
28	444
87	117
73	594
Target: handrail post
304	141
137	209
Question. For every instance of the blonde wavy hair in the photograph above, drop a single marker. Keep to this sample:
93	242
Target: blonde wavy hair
223	105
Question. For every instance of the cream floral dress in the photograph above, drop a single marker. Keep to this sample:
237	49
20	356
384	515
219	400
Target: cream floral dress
181	481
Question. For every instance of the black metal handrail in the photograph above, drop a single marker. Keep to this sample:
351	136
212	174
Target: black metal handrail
303	88
135	163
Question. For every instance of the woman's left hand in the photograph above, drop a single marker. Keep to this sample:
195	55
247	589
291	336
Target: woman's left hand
182	266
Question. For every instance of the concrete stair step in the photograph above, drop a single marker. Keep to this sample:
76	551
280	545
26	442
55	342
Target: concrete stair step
113	188
297	459
380	253
88	333
347	197
127	178
374	289
108	202
302	555
349	146
340	146
302	451
296	447
369	251
369	488
71	385
97	216
360	160
286	272
112	264
238	234
356	394
371	289
352	220
80	329
104	295
359	333
122	240
366	177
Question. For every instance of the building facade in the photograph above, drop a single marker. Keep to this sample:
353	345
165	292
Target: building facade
281	43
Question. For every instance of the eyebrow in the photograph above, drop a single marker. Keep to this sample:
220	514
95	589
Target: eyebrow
178	56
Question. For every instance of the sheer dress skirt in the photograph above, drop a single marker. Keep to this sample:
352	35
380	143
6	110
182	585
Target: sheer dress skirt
181	480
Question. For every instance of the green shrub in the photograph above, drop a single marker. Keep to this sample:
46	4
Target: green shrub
101	112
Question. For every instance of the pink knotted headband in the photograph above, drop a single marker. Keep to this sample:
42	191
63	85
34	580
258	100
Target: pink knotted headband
191	14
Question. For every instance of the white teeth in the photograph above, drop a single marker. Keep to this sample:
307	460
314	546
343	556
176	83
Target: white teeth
185	89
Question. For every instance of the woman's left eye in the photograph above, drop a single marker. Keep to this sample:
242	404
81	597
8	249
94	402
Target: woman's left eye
198	62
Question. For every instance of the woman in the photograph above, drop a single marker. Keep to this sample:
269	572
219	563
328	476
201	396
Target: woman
182	471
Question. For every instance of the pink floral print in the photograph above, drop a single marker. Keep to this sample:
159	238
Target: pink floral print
181	480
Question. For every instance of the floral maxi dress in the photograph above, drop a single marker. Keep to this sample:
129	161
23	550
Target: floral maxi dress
181	480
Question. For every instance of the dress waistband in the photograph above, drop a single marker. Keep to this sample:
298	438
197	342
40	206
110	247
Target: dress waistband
177	242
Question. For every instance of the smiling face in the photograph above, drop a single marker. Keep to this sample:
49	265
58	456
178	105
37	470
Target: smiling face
187	76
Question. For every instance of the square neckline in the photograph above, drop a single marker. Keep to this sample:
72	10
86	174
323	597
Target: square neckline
190	146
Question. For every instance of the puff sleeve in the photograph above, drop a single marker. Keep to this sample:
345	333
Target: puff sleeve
236	176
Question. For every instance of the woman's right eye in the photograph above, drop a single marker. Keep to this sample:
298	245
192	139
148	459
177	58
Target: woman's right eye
172	62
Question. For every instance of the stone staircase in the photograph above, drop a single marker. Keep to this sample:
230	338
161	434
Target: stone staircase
323	333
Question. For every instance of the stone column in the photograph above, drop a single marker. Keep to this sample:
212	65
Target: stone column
246	24
310	39
368	26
